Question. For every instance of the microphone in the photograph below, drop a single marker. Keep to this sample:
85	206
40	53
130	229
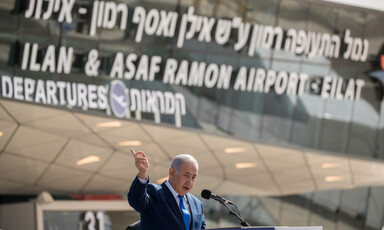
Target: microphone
206	194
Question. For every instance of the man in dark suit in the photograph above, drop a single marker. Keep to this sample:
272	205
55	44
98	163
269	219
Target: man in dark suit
169	205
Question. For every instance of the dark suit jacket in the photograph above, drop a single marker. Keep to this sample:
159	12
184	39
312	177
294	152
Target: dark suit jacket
159	210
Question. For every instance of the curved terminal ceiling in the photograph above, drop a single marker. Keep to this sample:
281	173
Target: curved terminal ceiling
65	153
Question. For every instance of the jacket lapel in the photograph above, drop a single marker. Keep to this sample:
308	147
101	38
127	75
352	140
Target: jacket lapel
172	204
192	208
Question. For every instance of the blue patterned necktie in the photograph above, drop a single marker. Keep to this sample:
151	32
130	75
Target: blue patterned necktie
186	215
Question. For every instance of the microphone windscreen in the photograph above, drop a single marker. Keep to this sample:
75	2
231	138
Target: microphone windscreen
206	194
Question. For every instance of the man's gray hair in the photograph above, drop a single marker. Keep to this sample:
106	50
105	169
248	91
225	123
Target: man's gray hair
180	159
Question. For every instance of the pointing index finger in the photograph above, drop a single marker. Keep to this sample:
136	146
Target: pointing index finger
133	152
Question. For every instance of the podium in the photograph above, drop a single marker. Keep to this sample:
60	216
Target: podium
272	228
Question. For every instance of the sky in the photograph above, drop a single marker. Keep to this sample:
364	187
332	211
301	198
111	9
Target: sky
370	4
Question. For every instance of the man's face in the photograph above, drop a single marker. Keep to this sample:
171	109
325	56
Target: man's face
183	180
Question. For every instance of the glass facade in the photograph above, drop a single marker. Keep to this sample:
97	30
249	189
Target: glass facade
307	120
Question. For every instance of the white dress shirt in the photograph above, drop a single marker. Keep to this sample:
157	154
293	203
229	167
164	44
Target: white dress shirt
174	193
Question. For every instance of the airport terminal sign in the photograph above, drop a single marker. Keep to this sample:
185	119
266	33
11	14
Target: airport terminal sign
120	100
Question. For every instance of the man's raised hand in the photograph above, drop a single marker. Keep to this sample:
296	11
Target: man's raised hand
141	163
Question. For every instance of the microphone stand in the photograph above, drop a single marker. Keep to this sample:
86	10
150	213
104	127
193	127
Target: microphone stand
242	221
